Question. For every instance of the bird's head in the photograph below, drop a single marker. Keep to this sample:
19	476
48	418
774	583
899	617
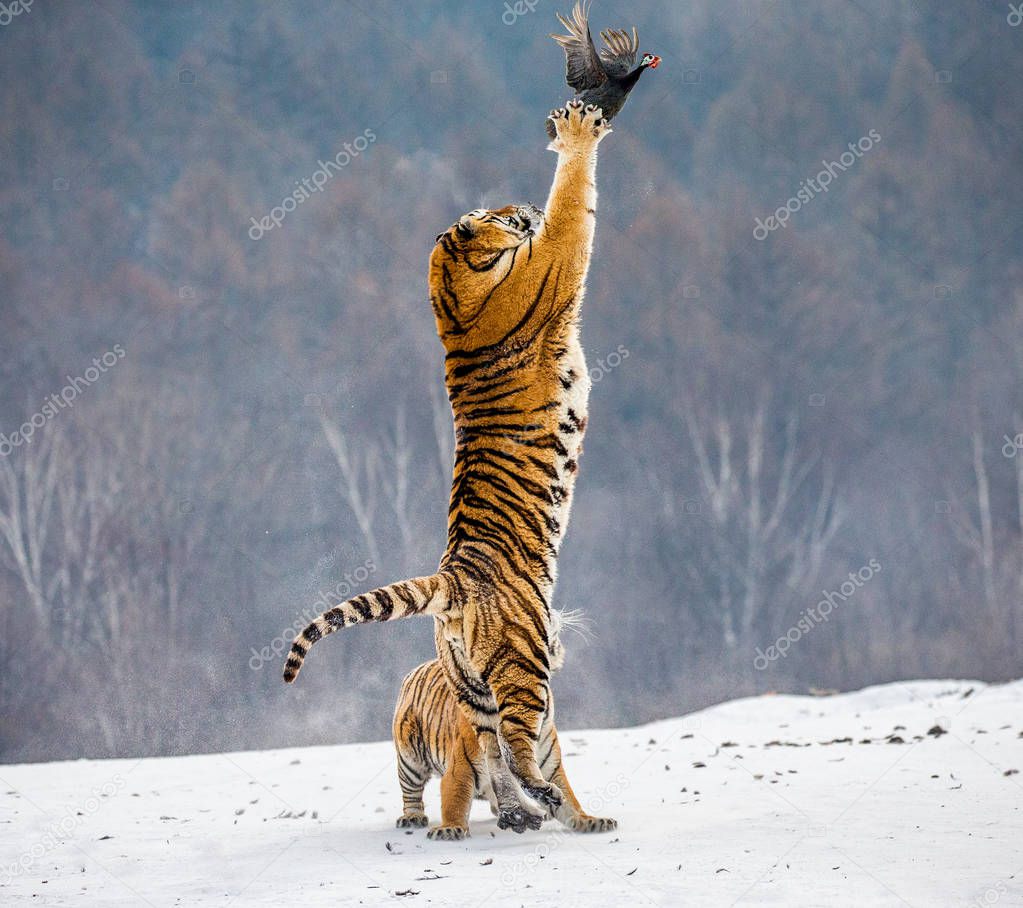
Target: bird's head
651	60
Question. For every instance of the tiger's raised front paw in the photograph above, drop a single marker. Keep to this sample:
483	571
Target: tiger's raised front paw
586	823
577	128
411	819
448	833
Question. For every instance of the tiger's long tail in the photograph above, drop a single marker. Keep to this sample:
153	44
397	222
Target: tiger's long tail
418	596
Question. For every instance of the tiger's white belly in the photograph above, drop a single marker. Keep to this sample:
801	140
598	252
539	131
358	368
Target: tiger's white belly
576	398
572	411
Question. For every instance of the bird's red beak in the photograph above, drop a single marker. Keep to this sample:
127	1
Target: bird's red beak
655	63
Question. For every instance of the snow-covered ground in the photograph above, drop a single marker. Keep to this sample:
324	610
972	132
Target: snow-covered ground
848	800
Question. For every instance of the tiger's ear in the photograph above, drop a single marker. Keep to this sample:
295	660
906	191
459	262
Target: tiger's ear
437	238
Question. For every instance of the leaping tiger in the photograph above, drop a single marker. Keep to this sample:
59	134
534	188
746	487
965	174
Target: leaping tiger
506	288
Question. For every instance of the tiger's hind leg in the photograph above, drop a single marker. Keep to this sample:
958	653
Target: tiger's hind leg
521	709
507	801
571	812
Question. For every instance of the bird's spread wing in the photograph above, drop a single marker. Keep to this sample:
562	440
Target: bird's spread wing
584	68
619	53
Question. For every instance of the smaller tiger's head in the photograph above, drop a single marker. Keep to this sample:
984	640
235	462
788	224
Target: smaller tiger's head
561	619
483	232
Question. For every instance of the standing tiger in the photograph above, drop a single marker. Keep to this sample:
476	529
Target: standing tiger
506	288
432	736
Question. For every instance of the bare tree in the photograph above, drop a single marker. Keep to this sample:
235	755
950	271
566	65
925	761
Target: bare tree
759	543
394	476
998	559
358	481
28	484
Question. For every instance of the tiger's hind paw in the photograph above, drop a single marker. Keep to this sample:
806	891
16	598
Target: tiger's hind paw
448	833
545	794
586	823
519	820
535	820
411	820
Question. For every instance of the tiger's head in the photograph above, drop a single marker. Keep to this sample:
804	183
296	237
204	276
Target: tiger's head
484	232
475	268
482	235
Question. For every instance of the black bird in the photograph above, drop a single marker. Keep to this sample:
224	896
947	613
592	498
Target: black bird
603	79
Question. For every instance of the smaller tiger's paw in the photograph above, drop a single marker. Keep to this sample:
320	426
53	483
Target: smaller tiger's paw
545	794
448	833
586	823
411	820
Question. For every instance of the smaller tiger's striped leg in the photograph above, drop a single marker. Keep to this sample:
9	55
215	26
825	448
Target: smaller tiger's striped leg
412	776
511	812
571	812
457	786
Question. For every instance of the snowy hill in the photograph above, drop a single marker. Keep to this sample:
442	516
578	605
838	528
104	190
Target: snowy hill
901	794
